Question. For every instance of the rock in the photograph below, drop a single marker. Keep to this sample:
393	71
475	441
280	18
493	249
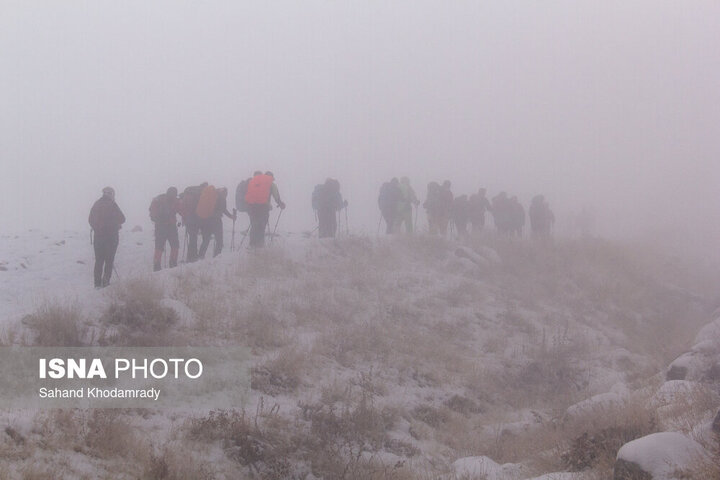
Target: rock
676	372
466	253
486	468
136	228
489	254
716	423
659	456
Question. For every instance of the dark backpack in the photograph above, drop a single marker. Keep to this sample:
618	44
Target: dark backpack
388	196
316	196
189	200
156	208
240	192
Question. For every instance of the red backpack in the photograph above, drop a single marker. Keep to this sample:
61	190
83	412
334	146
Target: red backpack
206	203
258	190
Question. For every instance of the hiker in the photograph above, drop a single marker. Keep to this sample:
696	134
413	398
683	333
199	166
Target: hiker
212	226
541	217
188	211
163	211
478	205
327	201
408	199
445	205
461	214
105	219
501	211
388	201
260	190
432	207
517	215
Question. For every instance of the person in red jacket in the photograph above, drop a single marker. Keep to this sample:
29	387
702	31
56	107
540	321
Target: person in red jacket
163	212
105	219
261	188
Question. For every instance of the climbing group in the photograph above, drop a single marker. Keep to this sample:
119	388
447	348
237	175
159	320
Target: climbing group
202	207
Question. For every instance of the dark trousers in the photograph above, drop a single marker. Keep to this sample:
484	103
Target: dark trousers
211	227
327	223
192	229
259	216
390	219
105	247
166	233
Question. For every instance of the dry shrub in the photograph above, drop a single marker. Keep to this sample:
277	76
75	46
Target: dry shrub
138	316
176	463
263	443
108	433
280	375
260	327
57	325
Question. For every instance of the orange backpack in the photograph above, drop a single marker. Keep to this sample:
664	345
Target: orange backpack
258	190
206	203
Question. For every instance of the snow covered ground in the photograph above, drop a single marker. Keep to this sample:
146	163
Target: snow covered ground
408	357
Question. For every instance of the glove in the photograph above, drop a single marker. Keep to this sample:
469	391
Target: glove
281	205
179	224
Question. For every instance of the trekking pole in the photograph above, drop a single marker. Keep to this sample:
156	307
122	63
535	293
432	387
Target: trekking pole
91	237
232	239
415	221
185	240
245	235
116	272
347	225
378	230
276	225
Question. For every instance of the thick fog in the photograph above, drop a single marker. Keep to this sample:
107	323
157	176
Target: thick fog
609	104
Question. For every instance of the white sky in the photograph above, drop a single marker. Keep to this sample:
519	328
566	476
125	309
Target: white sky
610	103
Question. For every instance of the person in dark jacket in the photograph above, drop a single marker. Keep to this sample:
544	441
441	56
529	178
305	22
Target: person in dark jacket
389	202
188	206
479	204
163	212
445	206
261	190
105	219
517	214
461	214
327	201
213	226
541	217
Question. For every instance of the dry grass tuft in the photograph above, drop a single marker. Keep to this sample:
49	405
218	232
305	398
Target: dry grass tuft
138	317
57	325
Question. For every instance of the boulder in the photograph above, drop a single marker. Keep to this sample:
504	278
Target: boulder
659	456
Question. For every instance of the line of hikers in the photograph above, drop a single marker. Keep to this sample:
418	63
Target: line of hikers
397	199
202	208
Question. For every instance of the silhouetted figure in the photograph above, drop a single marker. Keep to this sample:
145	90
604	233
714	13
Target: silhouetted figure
502	213
541	217
517	215
461	214
405	206
389	202
445	205
189	199
163	211
479	204
432	207
105	219
261	189
326	202
213	226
